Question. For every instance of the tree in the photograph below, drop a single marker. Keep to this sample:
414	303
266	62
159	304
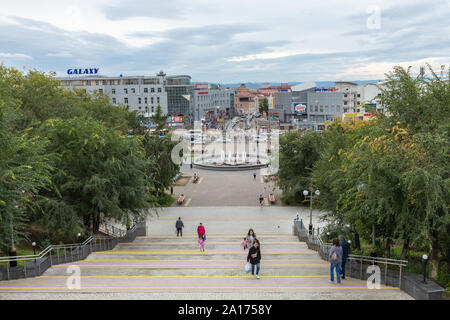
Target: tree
99	174
159	119
264	105
24	166
298	154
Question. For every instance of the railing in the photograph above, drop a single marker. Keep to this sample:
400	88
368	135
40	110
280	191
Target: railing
112	231
315	243
35	265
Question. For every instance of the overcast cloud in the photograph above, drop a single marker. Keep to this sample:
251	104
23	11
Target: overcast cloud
227	41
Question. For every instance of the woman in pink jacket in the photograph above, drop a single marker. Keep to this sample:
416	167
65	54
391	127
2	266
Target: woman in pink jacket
201	231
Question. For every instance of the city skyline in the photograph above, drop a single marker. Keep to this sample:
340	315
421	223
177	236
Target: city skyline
222	42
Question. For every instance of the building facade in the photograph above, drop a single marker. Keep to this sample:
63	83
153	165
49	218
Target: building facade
211	101
139	93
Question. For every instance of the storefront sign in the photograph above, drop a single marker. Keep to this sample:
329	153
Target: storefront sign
83	71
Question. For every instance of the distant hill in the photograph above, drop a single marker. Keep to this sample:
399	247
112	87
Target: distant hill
257	85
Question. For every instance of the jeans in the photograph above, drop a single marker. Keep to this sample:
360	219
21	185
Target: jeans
179	232
337	266
253	269
344	261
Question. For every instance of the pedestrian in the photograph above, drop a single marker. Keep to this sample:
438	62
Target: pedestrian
254	257
201	243
335	256
250	238
254	175
345	251
179	225
244	243
261	199
201	231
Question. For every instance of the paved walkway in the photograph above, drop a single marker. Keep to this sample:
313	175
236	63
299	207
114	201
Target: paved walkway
226	189
163	266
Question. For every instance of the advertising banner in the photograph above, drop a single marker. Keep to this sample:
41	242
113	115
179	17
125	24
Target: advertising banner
300	108
201	86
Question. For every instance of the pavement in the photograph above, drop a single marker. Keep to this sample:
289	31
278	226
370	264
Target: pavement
226	189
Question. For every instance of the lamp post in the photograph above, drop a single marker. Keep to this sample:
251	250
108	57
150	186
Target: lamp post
33	244
425	260
188	98
311	197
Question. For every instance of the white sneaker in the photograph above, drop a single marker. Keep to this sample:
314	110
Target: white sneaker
257	276
329	281
253	276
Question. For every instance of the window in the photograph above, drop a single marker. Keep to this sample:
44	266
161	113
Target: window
145	100
133	90
153	109
159	89
140	108
114	100
125	100
104	82
125	90
157	99
145	90
345	95
345	103
96	83
152	90
316	108
100	90
359	95
113	91
139	100
321	108
152	100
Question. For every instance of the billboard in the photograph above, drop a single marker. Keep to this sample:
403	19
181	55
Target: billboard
300	108
177	119
201	86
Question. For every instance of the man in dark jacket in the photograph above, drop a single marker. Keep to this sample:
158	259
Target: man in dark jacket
345	251
254	257
179	225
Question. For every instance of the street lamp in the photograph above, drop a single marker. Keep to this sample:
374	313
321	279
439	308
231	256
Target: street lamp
311	197
34	250
425	260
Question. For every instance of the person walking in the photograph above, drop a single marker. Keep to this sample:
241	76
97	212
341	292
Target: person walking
261	199
201	243
335	257
345	251
254	175
201	231
254	257
179	225
250	238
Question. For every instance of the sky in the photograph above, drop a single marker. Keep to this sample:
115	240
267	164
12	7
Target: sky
227	41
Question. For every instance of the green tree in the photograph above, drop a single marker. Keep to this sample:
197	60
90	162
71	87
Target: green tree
264	105
298	154
99	175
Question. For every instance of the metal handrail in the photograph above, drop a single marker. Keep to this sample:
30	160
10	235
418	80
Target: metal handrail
380	260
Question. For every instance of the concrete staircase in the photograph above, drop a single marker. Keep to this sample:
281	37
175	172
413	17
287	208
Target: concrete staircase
170	267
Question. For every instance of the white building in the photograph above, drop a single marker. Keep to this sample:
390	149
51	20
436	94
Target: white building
140	93
210	101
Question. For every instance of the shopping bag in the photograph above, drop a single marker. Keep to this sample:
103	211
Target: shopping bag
248	267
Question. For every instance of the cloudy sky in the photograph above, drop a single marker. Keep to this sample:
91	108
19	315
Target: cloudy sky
227	40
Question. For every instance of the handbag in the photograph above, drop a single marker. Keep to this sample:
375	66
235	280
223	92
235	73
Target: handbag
248	267
334	257
204	237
